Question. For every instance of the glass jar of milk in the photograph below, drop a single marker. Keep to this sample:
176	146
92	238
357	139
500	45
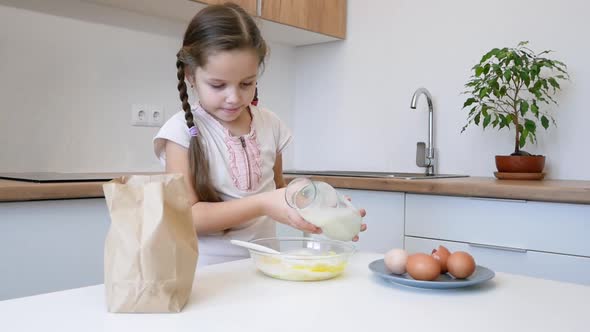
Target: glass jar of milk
320	204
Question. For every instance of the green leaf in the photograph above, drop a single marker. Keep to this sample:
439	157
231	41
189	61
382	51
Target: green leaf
535	70
495	85
478	70
525	78
554	83
523	136
502	121
469	102
524	107
497	69
477	117
544	122
509	119
507	74
486	120
530	125
489	55
532	138
535	109
483	93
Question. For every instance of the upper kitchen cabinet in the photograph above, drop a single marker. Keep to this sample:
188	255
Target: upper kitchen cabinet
323	16
293	22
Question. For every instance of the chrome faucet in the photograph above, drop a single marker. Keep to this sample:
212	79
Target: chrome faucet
425	154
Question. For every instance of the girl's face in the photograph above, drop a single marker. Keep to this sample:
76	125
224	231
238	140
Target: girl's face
226	85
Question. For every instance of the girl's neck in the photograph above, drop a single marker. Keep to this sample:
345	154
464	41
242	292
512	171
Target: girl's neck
240	126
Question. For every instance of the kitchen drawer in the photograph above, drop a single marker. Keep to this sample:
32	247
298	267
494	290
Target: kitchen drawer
549	227
567	268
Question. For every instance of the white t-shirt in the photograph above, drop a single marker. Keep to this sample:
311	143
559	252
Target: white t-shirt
239	166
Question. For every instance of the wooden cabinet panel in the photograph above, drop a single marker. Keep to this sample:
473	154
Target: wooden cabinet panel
323	16
313	21
248	5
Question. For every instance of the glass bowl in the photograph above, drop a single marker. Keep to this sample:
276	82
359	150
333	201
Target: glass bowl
302	258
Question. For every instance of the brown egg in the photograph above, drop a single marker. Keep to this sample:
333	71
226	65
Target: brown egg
423	267
461	264
441	255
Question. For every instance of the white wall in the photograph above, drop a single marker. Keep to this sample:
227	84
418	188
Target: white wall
352	97
69	73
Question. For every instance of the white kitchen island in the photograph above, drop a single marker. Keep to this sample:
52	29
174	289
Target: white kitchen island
236	297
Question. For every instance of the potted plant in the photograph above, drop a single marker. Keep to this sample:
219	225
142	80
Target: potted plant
508	89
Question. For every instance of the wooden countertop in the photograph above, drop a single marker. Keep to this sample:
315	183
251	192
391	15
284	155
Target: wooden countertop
565	191
15	191
31	191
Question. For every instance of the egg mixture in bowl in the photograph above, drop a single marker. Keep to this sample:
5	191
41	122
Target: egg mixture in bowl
301	258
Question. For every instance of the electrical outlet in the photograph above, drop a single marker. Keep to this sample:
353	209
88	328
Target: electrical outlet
156	116
139	115
143	115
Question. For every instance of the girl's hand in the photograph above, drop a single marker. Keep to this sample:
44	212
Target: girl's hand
275	206
363	226
363	213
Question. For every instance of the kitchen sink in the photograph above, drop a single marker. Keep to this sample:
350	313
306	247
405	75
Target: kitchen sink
367	174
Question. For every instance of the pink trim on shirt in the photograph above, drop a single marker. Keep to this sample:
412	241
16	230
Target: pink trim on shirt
245	161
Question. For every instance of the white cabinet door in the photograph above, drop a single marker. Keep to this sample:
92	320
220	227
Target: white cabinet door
540	226
385	219
48	246
567	268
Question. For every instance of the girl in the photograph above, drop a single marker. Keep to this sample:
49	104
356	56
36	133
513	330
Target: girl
228	149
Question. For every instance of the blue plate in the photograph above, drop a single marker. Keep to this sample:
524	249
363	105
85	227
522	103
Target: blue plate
444	281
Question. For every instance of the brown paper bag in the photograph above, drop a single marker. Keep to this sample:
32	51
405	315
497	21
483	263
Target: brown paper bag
151	250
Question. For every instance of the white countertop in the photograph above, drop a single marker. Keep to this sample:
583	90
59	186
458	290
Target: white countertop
236	297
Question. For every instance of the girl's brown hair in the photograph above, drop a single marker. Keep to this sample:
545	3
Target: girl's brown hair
215	28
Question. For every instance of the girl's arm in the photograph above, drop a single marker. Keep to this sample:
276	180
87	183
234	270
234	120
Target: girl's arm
278	170
214	217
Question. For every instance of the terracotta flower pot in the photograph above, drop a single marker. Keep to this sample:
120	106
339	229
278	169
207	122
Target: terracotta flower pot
520	164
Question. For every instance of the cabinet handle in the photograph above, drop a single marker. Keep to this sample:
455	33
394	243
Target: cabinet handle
489	246
509	200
